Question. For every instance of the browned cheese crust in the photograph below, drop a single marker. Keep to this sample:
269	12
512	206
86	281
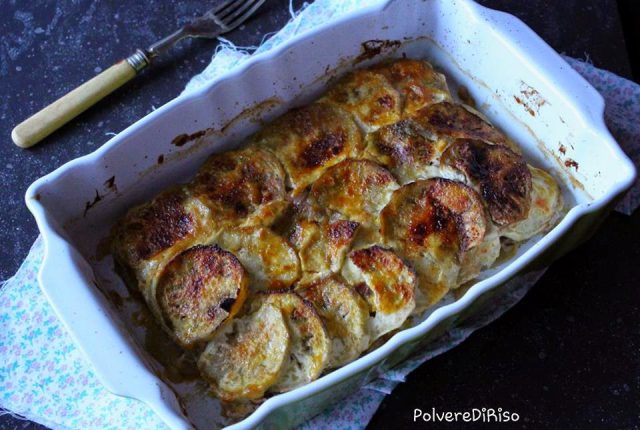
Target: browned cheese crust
405	148
345	314
416	81
244	187
321	245
500	175
434	223
369	96
336	223
455	121
198	290
355	189
436	214
310	139
154	227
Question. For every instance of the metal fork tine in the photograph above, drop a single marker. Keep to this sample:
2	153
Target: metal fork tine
217	10
239	20
235	13
219	20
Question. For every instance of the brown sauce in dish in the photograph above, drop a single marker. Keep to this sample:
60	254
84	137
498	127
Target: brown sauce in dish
183	139
178	365
508	250
372	48
465	96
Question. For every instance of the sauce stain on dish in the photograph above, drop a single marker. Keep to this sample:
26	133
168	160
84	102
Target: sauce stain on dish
571	163
530	99
177	365
183	139
371	48
252	113
90	204
465	96
525	105
110	184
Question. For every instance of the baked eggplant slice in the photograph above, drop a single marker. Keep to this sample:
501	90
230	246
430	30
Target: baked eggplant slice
386	282
457	121
433	223
242	188
355	189
500	175
546	205
310	139
416	81
247	356
322	246
310	346
369	96
345	314
407	149
199	290
479	257
267	257
153	233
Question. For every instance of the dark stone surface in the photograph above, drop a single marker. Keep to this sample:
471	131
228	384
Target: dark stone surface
566	357
50	47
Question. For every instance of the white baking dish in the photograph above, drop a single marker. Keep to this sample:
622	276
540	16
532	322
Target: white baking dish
518	81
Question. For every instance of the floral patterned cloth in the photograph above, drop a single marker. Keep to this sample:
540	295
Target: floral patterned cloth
45	378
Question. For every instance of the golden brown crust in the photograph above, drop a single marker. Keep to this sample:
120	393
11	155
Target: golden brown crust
247	356
387	284
500	175
455	121
405	148
152	228
310	139
417	82
356	189
345	314
379	263
310	344
434	223
153	233
198	290
267	257
244	187
322	246
314	212
369	96
436	214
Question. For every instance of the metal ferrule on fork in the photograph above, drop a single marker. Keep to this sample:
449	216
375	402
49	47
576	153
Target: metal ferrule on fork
138	60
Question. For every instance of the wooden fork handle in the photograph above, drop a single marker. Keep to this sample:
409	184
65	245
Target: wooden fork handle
63	110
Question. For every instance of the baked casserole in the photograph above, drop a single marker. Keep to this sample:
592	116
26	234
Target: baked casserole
333	226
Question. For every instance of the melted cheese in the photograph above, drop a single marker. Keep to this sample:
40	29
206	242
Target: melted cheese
248	356
546	205
270	261
345	315
386	283
369	96
310	139
355	189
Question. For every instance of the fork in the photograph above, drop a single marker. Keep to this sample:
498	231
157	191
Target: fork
221	19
